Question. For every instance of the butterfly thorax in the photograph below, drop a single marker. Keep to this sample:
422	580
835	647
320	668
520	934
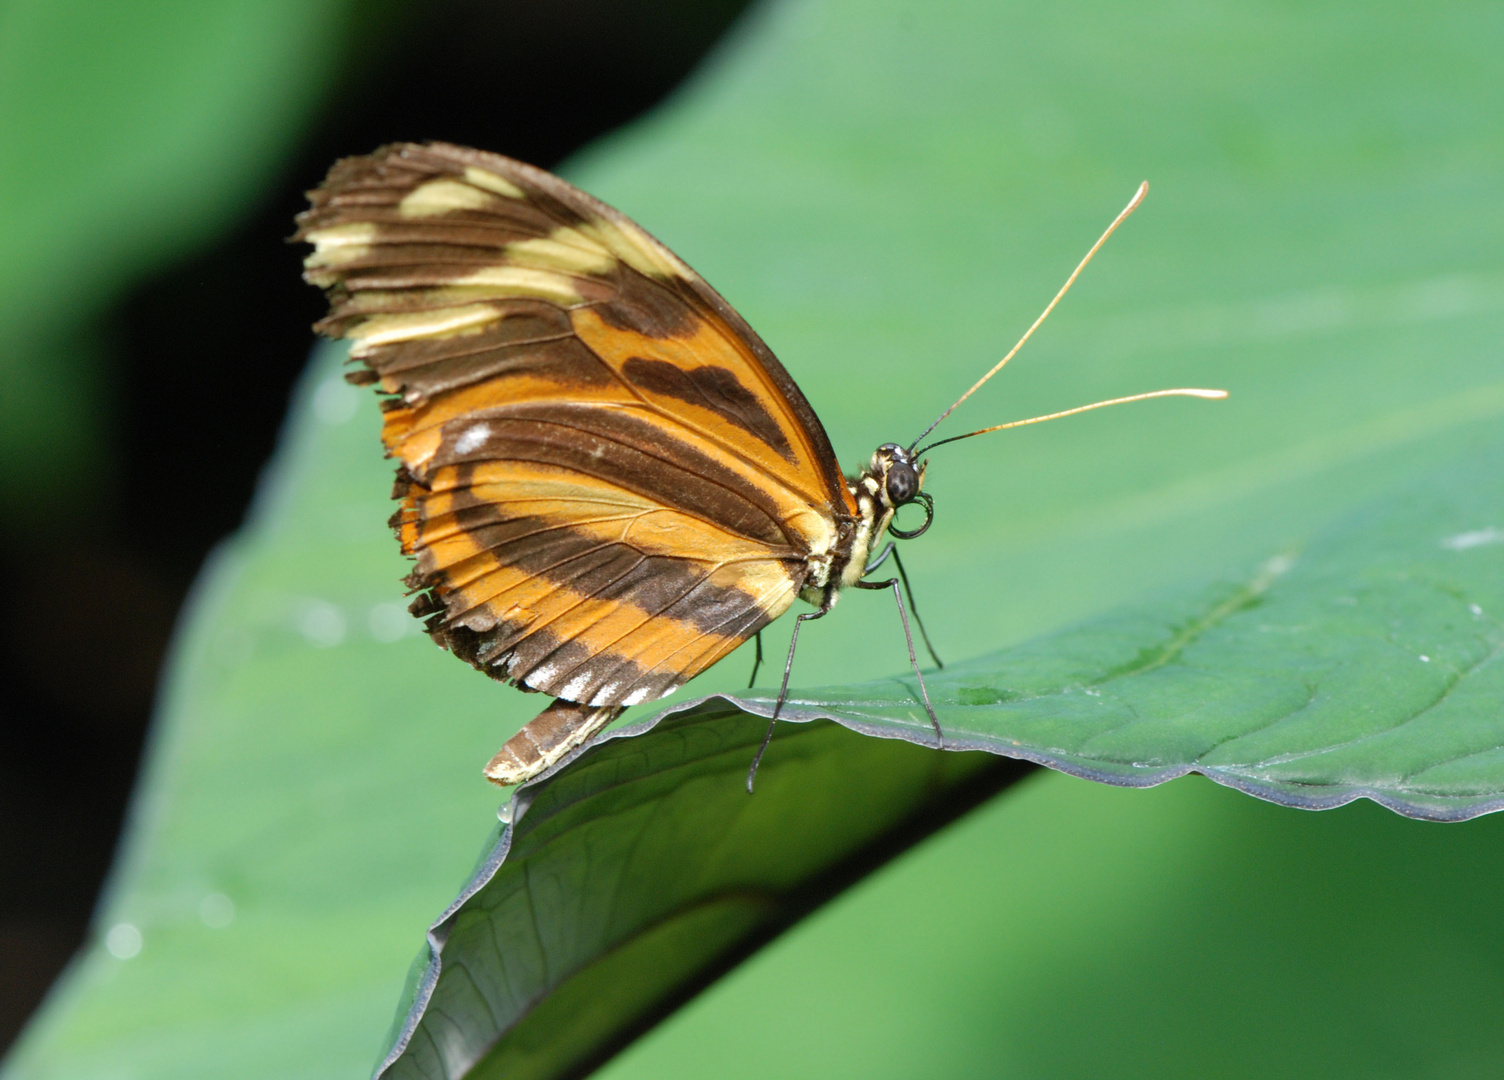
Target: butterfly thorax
890	480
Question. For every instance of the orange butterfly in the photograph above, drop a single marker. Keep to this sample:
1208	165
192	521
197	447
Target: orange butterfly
607	480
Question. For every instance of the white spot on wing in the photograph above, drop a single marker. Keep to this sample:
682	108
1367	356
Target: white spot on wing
491	182
405	326
542	676
336	245
636	697
508	281
472	438
633	247
548	253
443	197
571	690
606	693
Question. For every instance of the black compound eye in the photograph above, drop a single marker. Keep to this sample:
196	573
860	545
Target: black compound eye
902	484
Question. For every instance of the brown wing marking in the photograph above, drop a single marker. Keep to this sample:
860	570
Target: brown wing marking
573	586
624	444
608	480
440	242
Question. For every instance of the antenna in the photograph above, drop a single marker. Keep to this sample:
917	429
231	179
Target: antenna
1138	197
1181	392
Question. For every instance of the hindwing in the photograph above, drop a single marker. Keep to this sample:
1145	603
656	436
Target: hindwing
607	480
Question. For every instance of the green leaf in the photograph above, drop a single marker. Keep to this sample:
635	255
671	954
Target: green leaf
890	194
639	870
138	131
642	871
1365	666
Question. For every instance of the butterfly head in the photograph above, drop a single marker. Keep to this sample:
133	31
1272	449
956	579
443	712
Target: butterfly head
895	478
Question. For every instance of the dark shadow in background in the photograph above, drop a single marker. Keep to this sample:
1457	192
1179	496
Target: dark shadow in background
204	356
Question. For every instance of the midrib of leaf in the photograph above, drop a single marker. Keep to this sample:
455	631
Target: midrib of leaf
1242	598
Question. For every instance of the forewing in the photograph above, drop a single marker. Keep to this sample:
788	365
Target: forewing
608	480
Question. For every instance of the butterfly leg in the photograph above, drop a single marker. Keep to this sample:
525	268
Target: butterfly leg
756	661
909	591
882	557
903	615
783	690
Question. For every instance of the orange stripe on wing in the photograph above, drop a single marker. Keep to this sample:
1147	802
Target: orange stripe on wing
568	558
607	650
707	346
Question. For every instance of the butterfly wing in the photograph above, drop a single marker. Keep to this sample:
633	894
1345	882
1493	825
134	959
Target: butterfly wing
608	481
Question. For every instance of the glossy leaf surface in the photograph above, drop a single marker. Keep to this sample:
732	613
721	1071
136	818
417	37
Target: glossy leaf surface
1367	666
890	194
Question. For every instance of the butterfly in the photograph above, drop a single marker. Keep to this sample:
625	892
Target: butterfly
607	481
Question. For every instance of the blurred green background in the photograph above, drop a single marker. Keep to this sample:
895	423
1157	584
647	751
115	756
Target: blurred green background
153	320
889	192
